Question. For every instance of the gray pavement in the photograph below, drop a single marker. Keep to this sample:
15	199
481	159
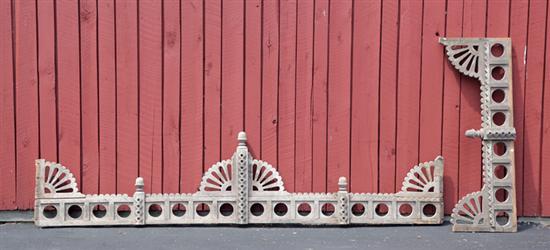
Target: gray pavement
27	236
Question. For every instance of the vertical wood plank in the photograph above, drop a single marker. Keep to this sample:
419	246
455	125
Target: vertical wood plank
304	96
451	112
89	93
253	75
107	96
171	98
7	110
26	101
364	105
545	146
319	96
232	74
287	94
127	94
498	19
47	80
519	11
408	88
212	83
191	95
470	111
431	81
68	76
150	94
534	78
388	96
270	61
339	86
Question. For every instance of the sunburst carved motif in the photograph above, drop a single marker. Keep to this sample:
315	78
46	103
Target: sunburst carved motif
465	58
58	179
217	178
469	210
421	178
264	177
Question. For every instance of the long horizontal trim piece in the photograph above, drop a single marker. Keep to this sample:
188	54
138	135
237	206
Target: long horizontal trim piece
240	190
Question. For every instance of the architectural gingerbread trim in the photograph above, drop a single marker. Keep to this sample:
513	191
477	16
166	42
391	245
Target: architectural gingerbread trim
251	193
493	208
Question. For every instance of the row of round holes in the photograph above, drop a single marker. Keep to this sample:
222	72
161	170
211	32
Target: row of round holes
226	209
498	96
382	209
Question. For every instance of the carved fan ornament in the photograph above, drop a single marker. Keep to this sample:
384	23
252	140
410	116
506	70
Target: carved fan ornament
421	178
264	177
58	179
465	58
239	190
469	210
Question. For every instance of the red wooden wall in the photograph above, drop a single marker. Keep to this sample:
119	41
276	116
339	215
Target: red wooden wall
324	88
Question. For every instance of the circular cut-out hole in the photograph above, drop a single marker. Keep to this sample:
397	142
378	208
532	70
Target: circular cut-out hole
202	209
226	209
501	172
257	209
498	95
179	210
499	118
327	209
501	195
429	210
75	211
358	209
499	148
99	211
502	218
304	209
498	73
49	212
381	210
405	210
155	210
497	50
280	209
123	211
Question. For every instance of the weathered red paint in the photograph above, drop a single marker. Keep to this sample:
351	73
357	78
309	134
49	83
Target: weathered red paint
323	88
